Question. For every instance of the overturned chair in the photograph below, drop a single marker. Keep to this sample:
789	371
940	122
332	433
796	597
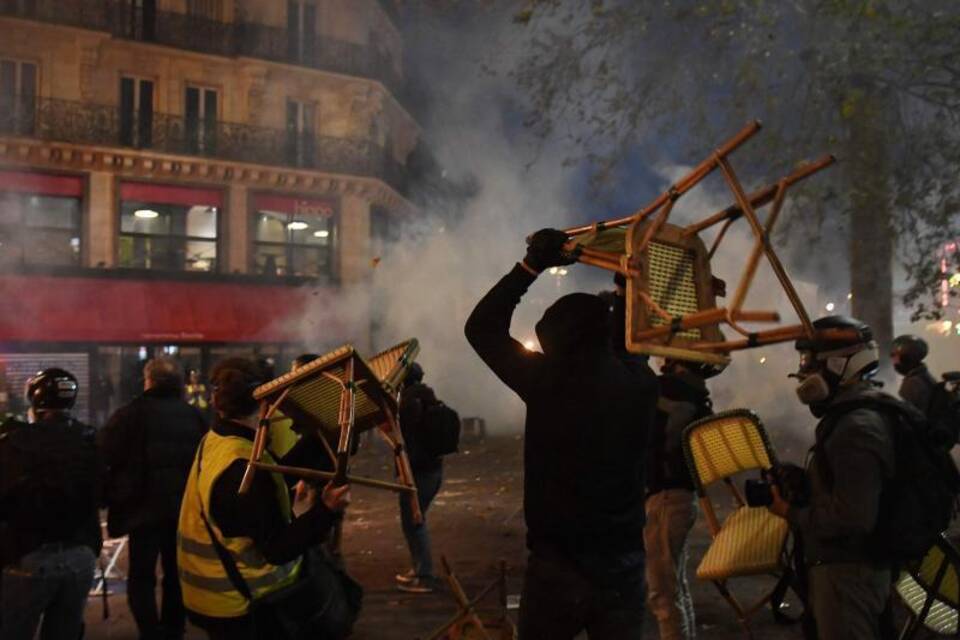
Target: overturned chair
671	292
930	591
751	541
340	395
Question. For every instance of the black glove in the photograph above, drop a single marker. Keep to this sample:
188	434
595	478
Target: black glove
546	250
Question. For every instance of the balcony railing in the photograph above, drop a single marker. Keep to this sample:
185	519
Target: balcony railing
102	125
197	33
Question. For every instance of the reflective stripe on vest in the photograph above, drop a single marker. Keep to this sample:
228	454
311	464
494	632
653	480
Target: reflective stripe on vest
206	587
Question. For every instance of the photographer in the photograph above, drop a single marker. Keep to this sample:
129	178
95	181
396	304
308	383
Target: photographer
852	460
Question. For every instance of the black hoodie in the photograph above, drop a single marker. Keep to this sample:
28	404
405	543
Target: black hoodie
587	419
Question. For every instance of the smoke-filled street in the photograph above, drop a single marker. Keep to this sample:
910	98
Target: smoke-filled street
476	521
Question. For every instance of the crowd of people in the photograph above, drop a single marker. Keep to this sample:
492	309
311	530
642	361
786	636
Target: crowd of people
261	564
607	528
609	499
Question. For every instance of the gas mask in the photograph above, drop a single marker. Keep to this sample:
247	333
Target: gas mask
821	373
813	387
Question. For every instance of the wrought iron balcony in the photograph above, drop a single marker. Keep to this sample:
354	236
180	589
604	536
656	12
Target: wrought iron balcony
197	33
102	125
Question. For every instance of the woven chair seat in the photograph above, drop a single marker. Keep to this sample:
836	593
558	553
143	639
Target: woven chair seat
942	618
749	543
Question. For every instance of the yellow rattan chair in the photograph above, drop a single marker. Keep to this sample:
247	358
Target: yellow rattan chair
931	592
751	541
341	395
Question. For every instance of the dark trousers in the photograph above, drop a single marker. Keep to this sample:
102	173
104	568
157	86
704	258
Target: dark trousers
417	535
146	544
563	595
51	582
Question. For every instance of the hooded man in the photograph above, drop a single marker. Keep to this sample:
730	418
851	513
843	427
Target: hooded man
585	437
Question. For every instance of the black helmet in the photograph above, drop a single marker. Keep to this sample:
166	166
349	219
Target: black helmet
52	390
844	345
911	349
414	374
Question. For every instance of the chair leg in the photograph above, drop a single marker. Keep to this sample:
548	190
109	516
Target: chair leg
742	616
910	628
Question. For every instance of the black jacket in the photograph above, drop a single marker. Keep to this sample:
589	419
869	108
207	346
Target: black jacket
414	401
683	399
586	431
49	486
148	447
257	513
917	388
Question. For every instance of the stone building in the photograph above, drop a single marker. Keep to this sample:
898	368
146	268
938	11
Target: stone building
195	177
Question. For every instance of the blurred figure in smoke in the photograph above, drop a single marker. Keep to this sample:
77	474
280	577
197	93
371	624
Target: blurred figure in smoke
417	404
918	384
197	392
671	503
588	416
147	448
49	494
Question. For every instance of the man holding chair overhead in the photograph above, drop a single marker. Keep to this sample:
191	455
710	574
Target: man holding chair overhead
585	436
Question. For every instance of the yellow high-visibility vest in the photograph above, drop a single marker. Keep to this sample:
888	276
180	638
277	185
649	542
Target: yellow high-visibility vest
282	436
197	396
206	587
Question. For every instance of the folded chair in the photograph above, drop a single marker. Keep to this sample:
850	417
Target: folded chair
671	292
931	592
341	395
751	541
467	623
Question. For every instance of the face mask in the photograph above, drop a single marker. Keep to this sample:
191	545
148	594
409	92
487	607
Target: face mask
901	368
813	389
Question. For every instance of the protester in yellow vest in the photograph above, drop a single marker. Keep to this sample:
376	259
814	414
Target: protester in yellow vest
234	550
196	391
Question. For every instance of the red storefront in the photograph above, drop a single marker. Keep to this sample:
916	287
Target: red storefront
104	328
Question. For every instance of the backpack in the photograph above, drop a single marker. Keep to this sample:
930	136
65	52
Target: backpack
440	430
917	504
943	412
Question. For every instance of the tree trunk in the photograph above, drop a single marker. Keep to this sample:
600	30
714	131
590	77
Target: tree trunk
872	240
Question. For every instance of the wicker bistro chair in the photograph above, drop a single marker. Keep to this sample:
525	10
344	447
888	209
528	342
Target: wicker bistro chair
751	541
931	592
341	395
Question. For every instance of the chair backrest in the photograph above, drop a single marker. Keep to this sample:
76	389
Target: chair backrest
391	365
725	444
938	574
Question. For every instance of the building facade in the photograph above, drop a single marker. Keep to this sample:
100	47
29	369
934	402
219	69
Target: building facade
195	177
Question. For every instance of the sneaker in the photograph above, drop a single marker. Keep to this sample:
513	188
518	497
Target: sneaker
407	577
418	585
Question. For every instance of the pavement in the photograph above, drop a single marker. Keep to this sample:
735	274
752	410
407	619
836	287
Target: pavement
476	521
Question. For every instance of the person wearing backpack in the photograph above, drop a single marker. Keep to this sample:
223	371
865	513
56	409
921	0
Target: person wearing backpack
851	474
918	386
671	504
49	525
418	408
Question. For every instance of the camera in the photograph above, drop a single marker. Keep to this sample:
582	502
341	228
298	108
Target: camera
758	492
790	479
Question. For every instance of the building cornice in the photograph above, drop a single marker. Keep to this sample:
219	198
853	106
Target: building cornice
134	163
